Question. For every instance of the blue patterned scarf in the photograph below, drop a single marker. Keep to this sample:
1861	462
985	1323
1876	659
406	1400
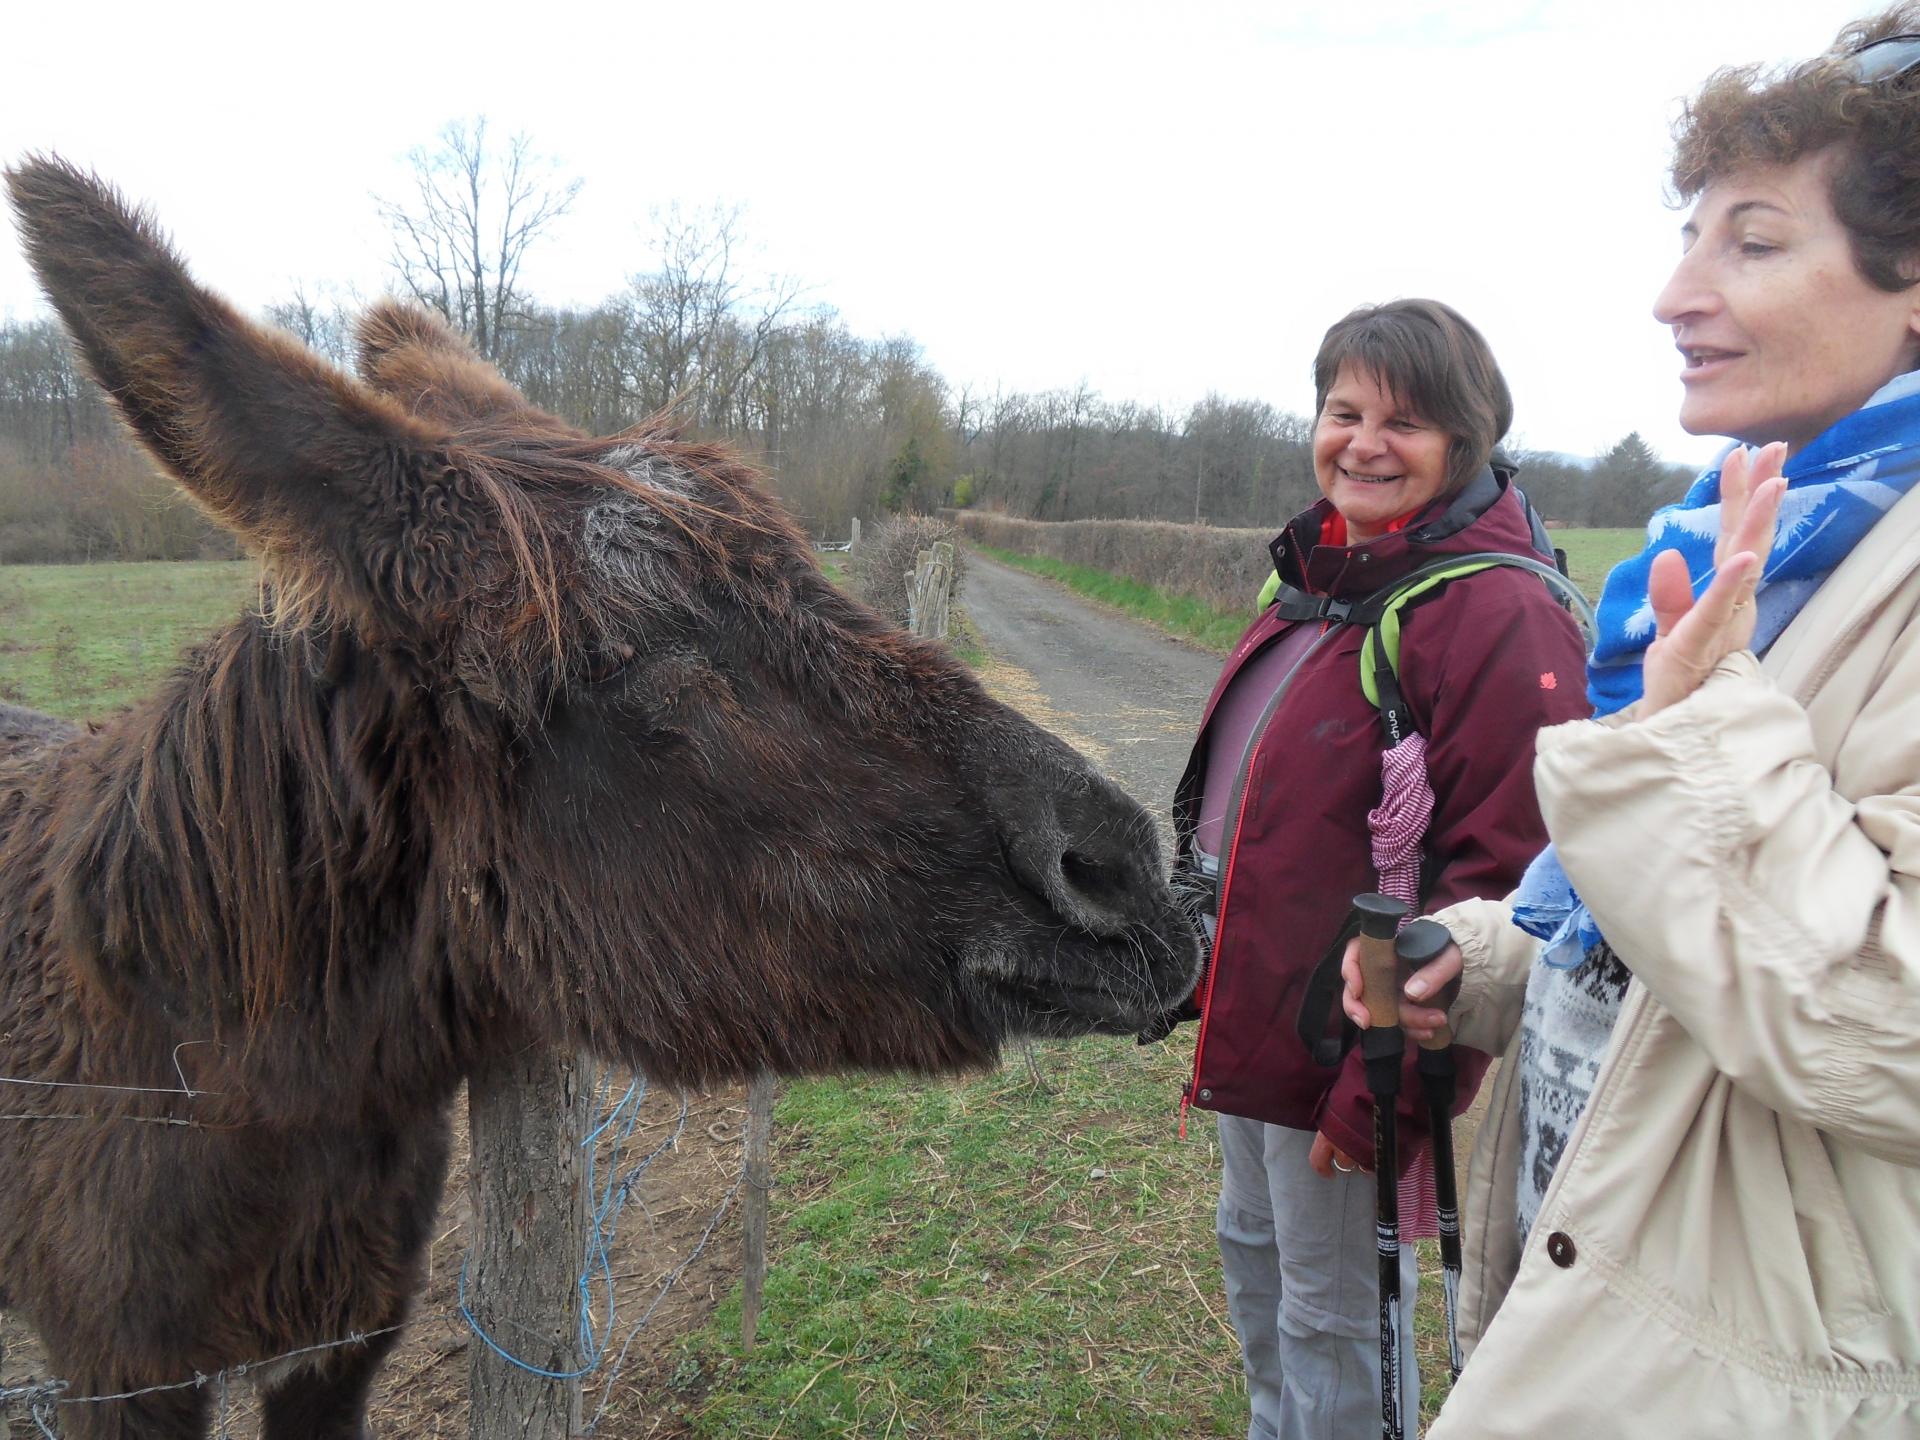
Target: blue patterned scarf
1848	477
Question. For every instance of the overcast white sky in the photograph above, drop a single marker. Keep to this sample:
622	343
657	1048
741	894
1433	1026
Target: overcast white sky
1160	199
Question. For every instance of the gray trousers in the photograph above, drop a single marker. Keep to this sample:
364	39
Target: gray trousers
1303	1285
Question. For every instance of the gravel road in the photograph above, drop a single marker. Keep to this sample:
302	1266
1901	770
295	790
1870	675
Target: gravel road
1121	692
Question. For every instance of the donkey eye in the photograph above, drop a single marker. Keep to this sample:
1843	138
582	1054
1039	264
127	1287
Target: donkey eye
609	662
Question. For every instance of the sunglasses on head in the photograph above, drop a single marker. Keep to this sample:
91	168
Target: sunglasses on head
1884	59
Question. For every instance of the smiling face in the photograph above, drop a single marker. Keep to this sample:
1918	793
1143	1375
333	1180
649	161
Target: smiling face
1781	334
1373	457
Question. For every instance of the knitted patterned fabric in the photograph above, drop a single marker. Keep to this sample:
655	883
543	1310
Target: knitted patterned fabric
1565	1025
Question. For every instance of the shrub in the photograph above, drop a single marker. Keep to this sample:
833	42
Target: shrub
100	500
889	549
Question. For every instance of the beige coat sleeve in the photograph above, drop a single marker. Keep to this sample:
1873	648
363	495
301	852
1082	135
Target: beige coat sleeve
1496	958
1775	918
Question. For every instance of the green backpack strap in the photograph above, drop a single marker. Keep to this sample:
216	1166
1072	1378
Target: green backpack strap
1380	613
1380	647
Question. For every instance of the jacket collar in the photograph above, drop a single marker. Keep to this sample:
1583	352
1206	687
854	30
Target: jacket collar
1473	518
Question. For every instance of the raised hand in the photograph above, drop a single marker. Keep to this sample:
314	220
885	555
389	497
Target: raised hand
1692	636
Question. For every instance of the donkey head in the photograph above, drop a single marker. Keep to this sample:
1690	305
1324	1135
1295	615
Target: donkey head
668	792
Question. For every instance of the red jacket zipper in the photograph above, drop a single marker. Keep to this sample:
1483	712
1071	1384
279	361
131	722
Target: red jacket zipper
1213	969
1226	874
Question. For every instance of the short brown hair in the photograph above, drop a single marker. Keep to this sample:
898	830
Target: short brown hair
1747	115
1432	361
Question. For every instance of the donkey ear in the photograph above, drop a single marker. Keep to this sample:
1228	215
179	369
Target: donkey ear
414	357
306	464
390	326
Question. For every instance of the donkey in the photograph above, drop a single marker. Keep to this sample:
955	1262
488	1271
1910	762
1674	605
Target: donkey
535	739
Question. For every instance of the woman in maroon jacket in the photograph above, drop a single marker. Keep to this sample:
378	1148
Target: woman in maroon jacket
1272	813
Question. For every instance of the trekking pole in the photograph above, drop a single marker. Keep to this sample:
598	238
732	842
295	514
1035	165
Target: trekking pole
1419	943
1383	1047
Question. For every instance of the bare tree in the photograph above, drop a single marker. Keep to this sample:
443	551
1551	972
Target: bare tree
699	331
459	241
325	327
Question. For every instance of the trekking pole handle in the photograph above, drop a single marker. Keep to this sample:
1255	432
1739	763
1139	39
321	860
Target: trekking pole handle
1420	942
1380	917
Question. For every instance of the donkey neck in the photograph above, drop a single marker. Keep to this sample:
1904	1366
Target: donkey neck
248	862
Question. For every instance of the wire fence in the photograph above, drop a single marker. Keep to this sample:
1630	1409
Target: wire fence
615	1171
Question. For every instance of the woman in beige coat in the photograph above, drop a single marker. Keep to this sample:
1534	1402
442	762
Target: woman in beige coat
1694	1209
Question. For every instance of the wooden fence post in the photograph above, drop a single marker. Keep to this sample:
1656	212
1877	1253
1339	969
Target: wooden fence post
759	1177
854	543
527	1116
931	587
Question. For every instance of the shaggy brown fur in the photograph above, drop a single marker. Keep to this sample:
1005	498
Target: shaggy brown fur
539	739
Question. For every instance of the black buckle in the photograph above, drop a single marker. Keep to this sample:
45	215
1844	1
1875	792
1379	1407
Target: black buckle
1338	611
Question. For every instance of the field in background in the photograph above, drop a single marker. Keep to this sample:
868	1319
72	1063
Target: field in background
81	640
1591	553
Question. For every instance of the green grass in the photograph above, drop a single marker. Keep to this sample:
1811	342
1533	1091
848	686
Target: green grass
965	639
1028	1253
1591	553
81	640
1177	614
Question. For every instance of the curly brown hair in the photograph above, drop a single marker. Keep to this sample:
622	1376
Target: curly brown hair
1749	115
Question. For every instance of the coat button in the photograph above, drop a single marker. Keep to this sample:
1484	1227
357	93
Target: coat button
1560	1249
1206	1094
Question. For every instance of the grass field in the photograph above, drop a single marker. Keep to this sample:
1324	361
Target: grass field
1025	1253
1591	553
81	640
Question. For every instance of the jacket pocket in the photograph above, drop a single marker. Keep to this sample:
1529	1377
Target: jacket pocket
1844	1287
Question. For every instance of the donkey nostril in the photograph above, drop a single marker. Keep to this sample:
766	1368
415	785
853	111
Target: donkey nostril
1092	878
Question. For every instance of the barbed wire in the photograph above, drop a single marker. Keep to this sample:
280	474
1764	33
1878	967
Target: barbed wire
42	1397
122	1089
182	1089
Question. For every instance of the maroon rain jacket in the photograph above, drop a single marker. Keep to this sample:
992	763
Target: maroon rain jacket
1483	665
